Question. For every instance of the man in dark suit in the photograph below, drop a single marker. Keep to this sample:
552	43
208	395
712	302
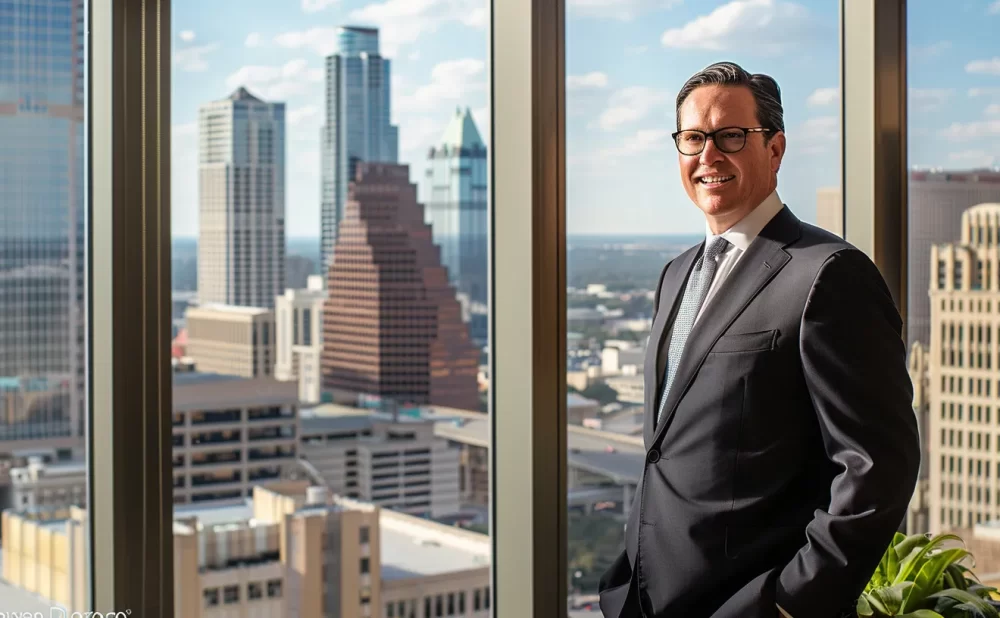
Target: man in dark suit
782	447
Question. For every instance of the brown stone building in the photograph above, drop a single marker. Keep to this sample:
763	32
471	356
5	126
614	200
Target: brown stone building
392	326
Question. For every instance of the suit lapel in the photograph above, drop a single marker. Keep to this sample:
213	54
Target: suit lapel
671	292
763	259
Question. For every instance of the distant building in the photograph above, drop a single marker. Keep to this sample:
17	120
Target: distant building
962	374
241	195
289	551
41	484
357	124
391	325
231	434
936	203
918	516
299	332
231	340
457	207
397	464
830	210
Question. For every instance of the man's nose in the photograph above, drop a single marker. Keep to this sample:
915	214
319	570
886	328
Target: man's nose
711	153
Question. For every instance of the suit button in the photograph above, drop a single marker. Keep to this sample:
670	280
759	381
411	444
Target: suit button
653	456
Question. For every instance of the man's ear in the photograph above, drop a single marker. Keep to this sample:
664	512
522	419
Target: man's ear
776	150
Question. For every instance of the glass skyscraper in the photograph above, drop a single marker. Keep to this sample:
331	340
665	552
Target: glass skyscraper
42	222
357	126
456	210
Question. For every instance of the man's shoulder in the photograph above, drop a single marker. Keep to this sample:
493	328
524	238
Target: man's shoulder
818	245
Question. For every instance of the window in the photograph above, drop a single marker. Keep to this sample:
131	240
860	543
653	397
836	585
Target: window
365	566
231	594
950	178
254	591
211	597
274	589
364	535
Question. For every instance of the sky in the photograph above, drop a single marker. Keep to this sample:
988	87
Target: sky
625	61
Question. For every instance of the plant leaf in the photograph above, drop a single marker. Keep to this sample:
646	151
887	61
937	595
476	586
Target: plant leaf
929	575
912	564
920	613
905	547
876	603
969	600
864	608
892	597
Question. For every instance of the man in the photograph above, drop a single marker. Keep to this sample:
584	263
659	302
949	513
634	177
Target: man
782	448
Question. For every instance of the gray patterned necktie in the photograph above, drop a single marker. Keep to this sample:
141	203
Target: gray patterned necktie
694	295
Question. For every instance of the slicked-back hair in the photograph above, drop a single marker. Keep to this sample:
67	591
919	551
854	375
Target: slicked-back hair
765	90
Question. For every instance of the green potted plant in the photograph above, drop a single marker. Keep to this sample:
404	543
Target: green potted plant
920	577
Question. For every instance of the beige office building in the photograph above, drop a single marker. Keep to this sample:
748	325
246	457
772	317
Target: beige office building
291	551
298	318
830	210
231	340
230	434
41	484
395	463
963	374
241	201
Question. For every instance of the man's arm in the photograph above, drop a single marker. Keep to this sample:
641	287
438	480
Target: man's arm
854	363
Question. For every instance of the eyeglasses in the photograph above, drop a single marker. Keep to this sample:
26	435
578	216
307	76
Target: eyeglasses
729	139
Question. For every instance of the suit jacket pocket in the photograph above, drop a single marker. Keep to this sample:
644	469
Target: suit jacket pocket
746	342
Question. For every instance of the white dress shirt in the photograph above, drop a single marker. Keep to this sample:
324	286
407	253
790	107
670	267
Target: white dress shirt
740	236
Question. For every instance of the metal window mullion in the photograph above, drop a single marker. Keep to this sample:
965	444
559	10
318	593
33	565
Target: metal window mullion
528	309
873	80
129	436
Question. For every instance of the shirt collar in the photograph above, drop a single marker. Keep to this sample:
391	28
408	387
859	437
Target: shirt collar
746	229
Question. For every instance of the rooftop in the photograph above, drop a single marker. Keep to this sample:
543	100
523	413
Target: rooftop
422	549
461	131
230	309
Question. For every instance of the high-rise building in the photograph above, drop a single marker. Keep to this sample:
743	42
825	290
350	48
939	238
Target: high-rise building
391	324
456	207
241	194
299	332
357	125
936	203
236	341
42	215
830	210
963	373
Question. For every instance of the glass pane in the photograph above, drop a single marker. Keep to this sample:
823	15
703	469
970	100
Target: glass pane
954	191
43	304
635	203
330	304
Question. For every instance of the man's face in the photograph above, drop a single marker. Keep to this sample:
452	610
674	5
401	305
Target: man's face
727	186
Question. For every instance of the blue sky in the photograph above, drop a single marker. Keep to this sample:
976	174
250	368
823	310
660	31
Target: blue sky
625	61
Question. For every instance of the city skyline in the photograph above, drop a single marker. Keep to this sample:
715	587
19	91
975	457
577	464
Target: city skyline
620	88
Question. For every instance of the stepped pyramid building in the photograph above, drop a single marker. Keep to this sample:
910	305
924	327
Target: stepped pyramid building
392	326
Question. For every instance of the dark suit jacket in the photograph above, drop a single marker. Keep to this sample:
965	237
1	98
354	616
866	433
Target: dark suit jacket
788	449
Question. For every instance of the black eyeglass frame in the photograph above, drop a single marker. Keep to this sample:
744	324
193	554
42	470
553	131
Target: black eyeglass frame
711	135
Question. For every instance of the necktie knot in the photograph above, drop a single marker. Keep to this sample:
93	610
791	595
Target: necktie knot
717	247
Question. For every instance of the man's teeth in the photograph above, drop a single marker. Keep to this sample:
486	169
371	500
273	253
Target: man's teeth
712	179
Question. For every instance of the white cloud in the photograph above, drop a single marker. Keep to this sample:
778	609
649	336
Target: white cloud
253	39
641	142
994	8
277	83
323	41
314	6
451	82
187	36
959	131
989	67
414	55
768	26
482	117
417	135
984	92
818	128
993	109
188	129
931	50
623	10
595	79
302	115
823	96
632	105
192	59
973	158
402	22
929	99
